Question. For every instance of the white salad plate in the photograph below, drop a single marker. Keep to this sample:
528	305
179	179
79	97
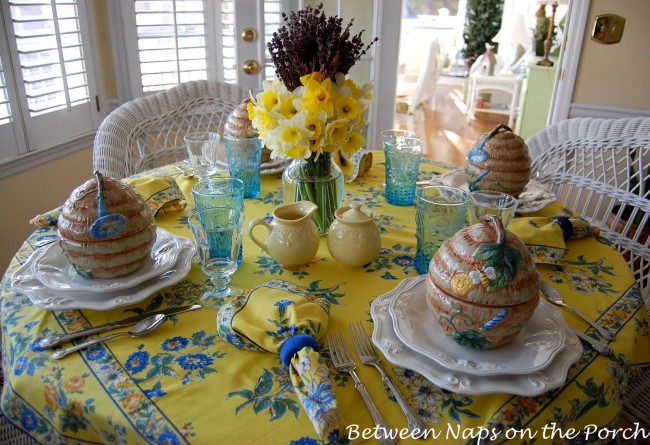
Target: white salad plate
533	198
56	272
529	385
266	168
274	166
533	349
24	282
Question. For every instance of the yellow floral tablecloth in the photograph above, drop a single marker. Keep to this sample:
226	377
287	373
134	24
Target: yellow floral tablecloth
182	384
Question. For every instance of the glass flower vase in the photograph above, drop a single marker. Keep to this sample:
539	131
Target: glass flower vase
319	180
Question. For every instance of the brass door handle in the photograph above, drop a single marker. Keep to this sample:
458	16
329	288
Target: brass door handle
251	67
249	34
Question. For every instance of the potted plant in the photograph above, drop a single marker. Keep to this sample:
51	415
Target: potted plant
482	23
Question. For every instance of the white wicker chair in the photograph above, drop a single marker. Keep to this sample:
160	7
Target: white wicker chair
148	131
600	169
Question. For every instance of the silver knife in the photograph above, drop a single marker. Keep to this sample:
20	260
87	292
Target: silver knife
598	346
57	339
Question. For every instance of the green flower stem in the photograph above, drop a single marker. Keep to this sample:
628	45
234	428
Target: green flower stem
321	191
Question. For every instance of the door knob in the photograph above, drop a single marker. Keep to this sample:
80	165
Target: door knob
249	34
252	67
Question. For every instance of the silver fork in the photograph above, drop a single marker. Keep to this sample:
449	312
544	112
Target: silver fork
368	356
342	361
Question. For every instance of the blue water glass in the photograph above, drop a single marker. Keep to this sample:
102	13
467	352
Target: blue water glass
244	158
402	167
441	212
220	192
218	233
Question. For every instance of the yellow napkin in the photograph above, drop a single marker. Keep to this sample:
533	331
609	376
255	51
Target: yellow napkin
545	236
287	319
162	194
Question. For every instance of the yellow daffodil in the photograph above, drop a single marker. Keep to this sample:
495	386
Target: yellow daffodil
318	96
312	76
286	107
291	137
337	132
316	123
346	107
270	99
354	143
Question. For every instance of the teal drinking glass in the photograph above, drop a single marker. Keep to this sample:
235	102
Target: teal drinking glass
402	152
441	212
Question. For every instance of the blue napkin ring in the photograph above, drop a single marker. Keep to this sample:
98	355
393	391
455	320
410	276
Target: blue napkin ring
294	344
567	227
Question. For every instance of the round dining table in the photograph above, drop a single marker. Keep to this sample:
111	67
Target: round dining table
183	384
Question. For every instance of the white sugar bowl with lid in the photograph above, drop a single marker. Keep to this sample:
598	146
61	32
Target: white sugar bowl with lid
353	238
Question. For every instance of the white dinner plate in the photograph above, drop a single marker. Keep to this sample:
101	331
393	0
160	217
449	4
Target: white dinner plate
529	385
56	272
533	198
24	282
531	350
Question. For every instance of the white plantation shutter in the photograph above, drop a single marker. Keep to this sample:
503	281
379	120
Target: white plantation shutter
50	53
167	42
272	21
9	143
228	31
172	42
47	50
5	106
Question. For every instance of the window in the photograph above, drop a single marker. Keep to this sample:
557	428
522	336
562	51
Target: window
47	97
182	40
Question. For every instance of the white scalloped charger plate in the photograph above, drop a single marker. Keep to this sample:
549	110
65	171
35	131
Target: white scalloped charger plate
533	198
532	349
24	282
56	272
529	385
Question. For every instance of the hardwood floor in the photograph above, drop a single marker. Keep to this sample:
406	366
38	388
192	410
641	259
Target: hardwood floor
444	128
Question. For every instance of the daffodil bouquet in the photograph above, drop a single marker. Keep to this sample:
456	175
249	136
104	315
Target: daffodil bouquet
319	116
312	110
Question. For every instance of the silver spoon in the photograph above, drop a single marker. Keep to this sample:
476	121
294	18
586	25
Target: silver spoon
554	297
142	328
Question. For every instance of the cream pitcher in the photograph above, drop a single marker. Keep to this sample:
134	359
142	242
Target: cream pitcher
292	238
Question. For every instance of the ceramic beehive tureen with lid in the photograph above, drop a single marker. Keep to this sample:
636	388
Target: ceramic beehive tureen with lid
499	161
106	229
483	286
238	125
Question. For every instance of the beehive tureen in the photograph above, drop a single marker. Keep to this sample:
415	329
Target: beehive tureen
238	125
106	229
499	161
483	286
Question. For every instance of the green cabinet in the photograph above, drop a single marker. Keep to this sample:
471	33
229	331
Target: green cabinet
535	99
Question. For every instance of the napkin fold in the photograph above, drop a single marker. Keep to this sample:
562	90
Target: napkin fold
286	319
161	194
545	236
